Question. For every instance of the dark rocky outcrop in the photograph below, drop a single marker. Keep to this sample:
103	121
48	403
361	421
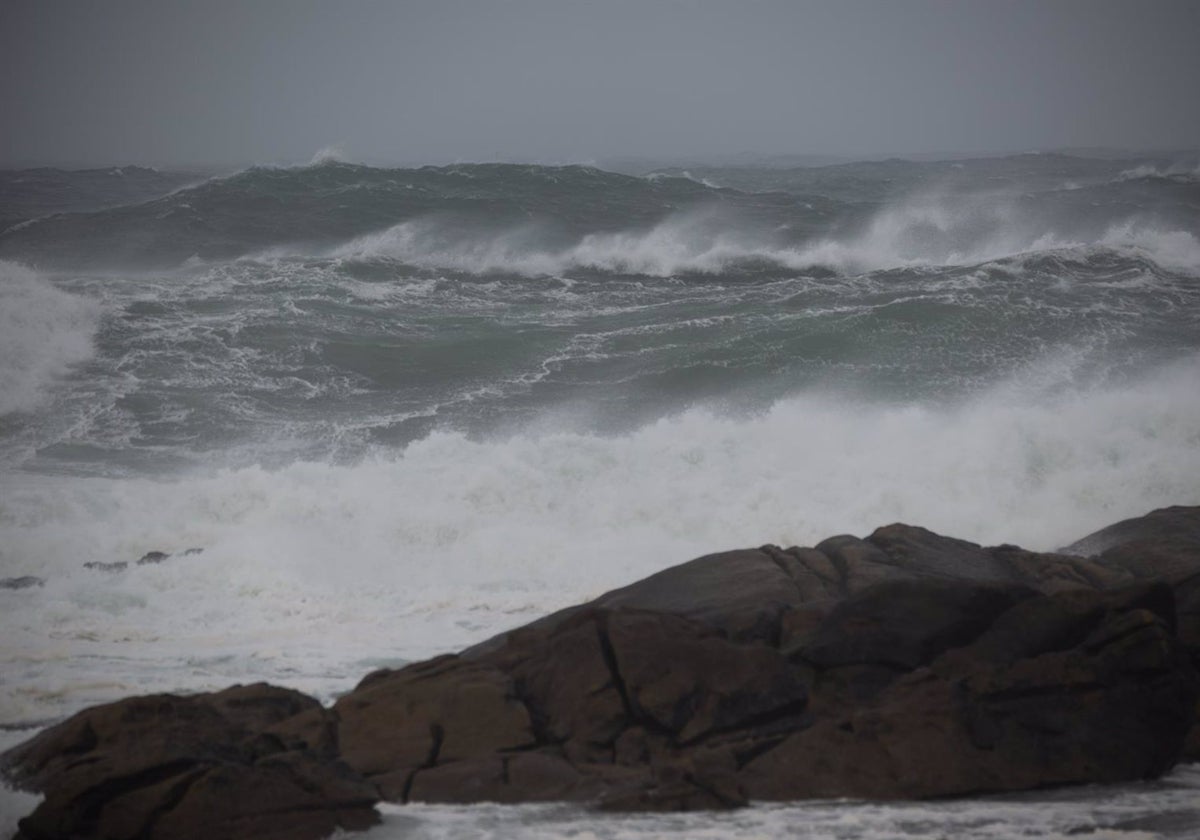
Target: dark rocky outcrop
232	764
1060	689
904	664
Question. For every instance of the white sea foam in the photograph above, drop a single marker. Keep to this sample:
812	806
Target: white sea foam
939	230
1182	169
1175	250
930	230
14	804
312	572
1096	812
43	331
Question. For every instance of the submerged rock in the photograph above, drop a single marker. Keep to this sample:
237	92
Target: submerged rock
903	665
23	582
148	559
96	565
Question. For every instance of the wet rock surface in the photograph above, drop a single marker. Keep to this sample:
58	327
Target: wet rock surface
901	665
204	766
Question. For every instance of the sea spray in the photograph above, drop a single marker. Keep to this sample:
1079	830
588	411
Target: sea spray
43	332
317	566
921	231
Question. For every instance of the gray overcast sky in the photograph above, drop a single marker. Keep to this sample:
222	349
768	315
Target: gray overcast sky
272	81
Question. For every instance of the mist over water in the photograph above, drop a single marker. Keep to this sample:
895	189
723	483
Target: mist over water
43	332
403	409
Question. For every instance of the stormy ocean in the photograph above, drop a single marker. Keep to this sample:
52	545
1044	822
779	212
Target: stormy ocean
377	414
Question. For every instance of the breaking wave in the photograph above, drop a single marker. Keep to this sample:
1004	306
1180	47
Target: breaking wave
43	332
694	242
929	232
1186	172
453	539
540	220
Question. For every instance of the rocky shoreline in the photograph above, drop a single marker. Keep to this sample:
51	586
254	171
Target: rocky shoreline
903	665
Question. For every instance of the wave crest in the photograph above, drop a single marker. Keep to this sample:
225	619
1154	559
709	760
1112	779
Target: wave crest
922	232
43	332
1185	172
693	242
329	154
943	230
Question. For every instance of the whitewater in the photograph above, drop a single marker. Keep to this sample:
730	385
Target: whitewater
374	415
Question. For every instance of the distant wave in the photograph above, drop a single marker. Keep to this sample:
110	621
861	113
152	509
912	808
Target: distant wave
43	331
914	233
329	154
330	202
1186	172
708	182
692	242
942	232
544	221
